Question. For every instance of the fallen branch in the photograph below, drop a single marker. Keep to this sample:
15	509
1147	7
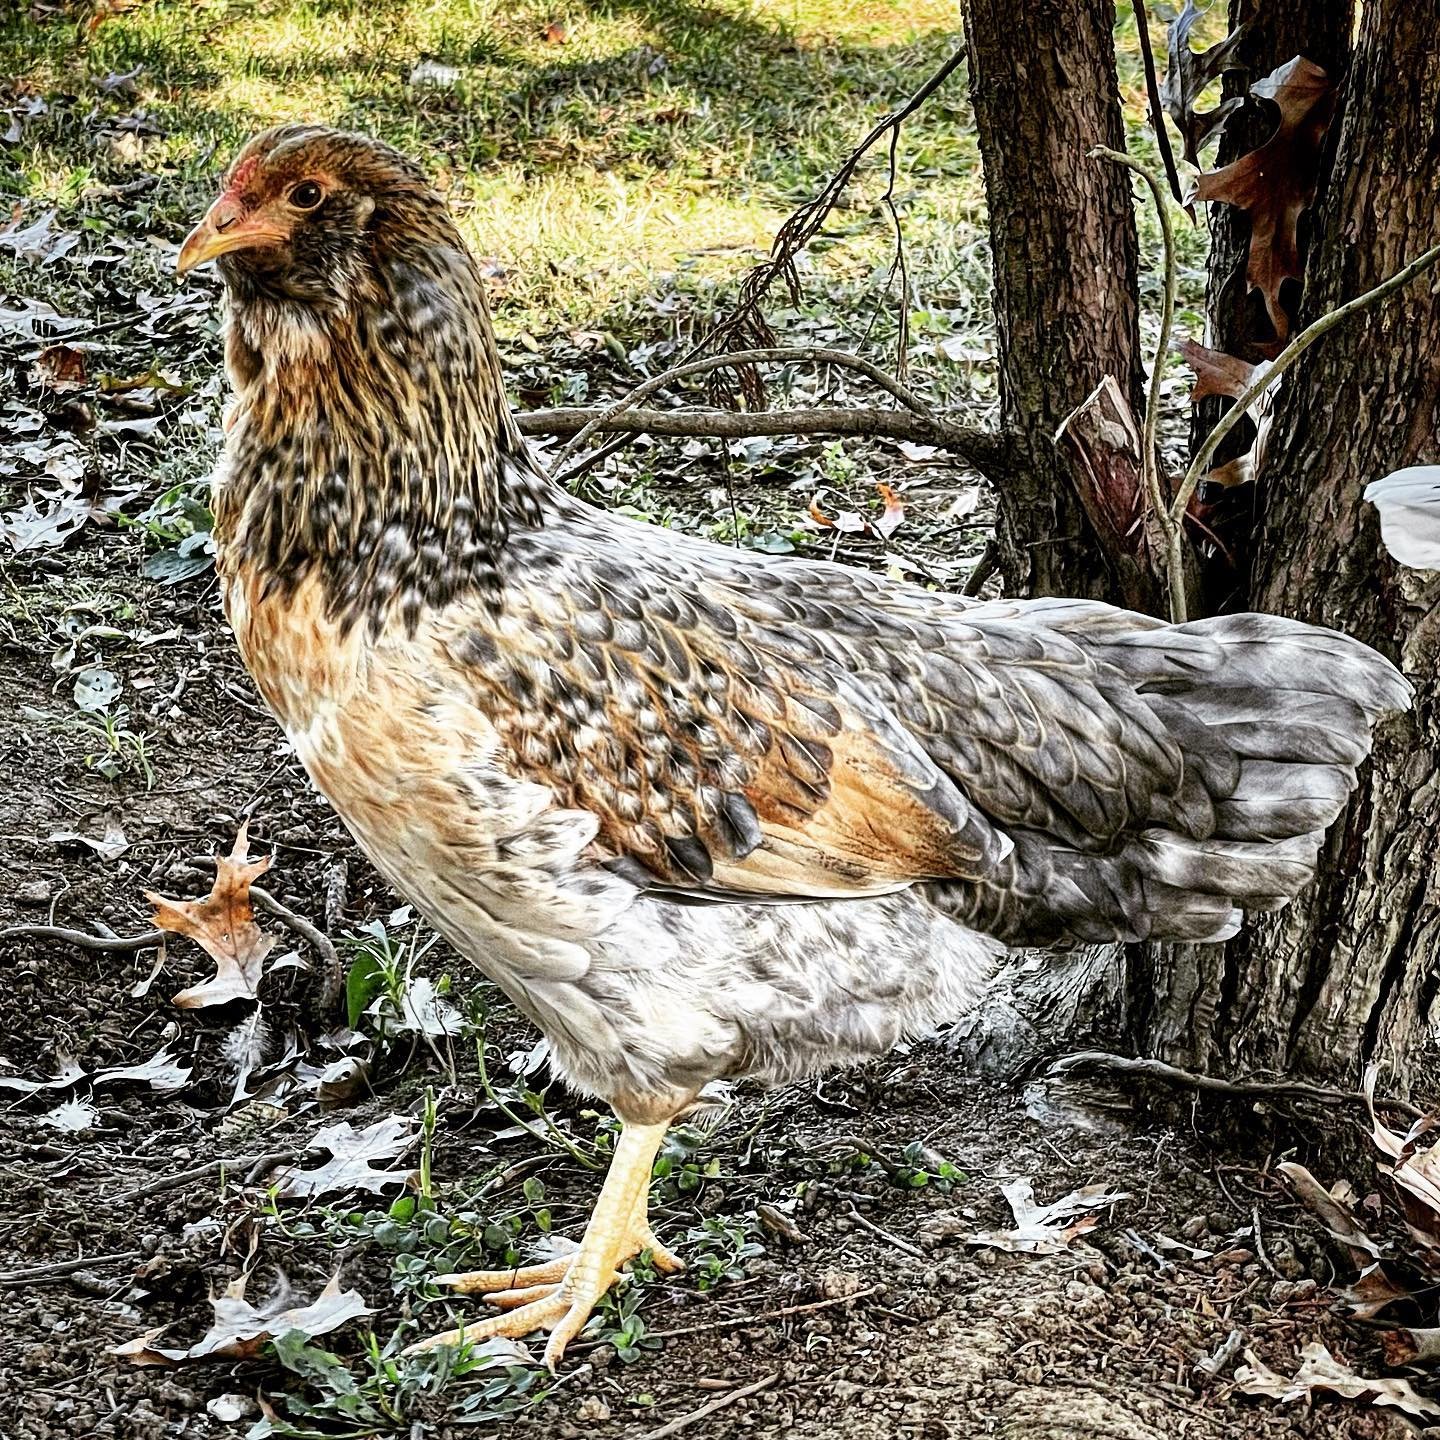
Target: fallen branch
720	1402
1159	1070
108	944
768	355
61	1268
312	935
249	1163
984	449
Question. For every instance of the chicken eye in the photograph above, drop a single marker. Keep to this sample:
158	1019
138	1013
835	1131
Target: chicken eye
306	195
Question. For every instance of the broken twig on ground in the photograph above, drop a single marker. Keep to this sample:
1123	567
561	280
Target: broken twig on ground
1159	1070
720	1402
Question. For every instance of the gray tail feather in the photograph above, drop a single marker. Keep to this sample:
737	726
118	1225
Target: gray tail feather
1271	716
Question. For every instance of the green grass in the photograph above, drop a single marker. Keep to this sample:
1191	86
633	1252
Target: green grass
638	141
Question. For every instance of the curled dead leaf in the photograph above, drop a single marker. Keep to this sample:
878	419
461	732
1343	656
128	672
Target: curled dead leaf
223	924
1045	1229
1276	183
1187	76
240	1329
1320	1370
893	514
1216	373
60	368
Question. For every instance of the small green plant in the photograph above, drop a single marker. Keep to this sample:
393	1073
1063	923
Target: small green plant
679	1168
468	1384
720	1247
621	1325
121	750
920	1166
180	523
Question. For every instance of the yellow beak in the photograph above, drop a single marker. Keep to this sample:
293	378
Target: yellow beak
226	227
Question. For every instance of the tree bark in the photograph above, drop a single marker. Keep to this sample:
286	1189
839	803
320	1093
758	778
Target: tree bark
1062	235
1348	972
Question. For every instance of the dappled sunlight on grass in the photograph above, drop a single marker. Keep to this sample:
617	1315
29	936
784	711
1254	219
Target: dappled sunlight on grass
585	147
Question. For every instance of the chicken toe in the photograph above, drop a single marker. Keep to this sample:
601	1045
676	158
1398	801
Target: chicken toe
560	1294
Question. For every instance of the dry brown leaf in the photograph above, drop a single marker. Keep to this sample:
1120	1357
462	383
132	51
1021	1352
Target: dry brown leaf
1319	1370
1045	1229
1188	75
223	924
893	514
1216	373
1332	1214
1276	182
60	368
353	1156
239	1329
1412	1347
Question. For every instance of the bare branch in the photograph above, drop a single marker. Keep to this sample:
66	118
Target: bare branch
108	944
1157	109
745	323
772	354
986	450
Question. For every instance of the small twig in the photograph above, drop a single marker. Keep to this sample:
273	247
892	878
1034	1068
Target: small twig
1171	525
902	1245
720	1402
65	1267
1283	362
248	1163
1157	110
111	944
310	933
1138	1065
771	354
1260	1241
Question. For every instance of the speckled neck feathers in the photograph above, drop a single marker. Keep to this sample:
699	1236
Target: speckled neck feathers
372	442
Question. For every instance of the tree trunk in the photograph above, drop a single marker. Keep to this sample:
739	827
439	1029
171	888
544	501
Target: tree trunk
1062	235
1347	972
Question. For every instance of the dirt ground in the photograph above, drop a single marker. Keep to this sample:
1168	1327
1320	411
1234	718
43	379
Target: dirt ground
857	1308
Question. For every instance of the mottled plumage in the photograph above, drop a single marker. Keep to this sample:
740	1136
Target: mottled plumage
700	813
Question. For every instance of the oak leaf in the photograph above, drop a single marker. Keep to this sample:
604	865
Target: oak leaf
353	1157
223	924
1216	373
1320	1370
240	1329
1188	75
1276	183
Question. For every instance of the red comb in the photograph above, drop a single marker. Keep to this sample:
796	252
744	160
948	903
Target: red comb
243	173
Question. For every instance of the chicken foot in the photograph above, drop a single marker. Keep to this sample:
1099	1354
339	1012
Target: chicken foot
559	1295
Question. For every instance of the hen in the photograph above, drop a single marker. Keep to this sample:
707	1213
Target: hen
698	812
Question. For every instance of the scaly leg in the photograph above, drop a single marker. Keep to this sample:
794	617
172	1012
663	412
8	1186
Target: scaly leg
559	1295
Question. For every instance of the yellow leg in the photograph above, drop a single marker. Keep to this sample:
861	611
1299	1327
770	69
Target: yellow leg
559	1296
